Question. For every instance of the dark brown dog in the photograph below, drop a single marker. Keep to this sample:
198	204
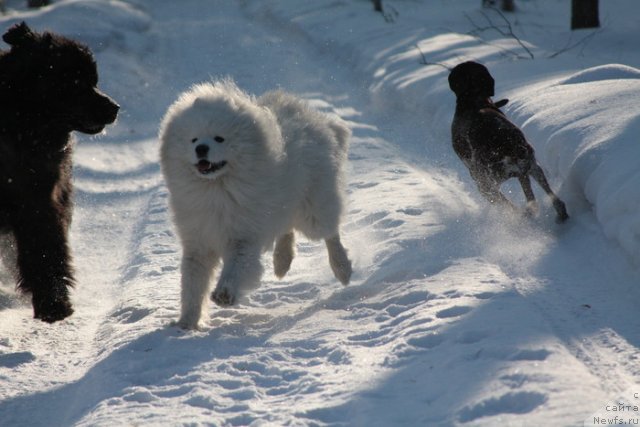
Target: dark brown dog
47	90
493	148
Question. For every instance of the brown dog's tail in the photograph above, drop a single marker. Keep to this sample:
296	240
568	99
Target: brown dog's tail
501	103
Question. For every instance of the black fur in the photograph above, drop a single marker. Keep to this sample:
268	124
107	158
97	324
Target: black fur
47	90
493	148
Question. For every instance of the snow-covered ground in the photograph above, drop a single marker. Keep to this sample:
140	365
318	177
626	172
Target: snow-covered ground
456	315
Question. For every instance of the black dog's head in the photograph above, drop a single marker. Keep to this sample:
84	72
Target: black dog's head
49	82
471	79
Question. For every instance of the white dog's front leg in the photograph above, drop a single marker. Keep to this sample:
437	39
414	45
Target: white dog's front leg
241	272
196	269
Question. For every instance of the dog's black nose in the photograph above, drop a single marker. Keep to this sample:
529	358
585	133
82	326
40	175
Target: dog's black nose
107	107
112	111
202	150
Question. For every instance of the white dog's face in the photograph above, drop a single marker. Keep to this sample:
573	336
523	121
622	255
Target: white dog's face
216	131
206	137
209	155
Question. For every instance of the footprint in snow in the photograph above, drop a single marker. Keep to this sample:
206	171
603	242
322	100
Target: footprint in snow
533	355
131	314
411	211
455	311
511	403
472	336
12	360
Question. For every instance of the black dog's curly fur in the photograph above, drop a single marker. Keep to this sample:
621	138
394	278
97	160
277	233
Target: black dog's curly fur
493	148
47	90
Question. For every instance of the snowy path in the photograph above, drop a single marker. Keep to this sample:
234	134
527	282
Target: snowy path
454	315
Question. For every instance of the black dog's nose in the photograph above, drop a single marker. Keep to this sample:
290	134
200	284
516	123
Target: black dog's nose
108	107
114	110
202	150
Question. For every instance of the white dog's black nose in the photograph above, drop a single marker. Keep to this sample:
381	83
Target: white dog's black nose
202	150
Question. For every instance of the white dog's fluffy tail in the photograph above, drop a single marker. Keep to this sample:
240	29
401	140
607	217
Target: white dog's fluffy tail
342	133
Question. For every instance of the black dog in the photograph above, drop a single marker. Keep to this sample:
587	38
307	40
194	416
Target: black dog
492	147
47	90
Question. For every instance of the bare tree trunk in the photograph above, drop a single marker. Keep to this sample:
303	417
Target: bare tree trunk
38	3
506	5
584	14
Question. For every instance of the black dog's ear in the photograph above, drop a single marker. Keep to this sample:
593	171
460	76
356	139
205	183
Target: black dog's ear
457	83
19	34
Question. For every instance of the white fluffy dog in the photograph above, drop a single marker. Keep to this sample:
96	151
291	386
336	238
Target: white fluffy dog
243	172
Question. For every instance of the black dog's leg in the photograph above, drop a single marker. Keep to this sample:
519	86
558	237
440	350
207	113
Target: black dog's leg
528	193
44	261
538	174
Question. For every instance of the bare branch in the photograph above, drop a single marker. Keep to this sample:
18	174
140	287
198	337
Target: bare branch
492	26
512	34
424	61
584	40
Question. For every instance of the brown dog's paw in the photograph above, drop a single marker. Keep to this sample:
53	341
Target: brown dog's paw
561	218
561	209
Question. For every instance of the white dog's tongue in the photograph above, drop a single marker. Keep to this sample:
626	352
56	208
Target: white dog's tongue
204	166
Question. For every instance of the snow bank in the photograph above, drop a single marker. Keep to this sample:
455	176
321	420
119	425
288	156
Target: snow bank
116	22
587	129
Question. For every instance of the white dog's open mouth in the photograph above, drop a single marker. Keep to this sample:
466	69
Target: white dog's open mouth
205	167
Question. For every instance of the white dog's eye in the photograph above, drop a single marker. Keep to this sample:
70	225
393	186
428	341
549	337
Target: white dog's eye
218	139
194	139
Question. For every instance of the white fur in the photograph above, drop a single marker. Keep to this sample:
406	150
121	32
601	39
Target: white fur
284	171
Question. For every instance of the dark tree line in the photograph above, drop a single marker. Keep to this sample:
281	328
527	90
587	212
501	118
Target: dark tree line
584	13
506	5
38	3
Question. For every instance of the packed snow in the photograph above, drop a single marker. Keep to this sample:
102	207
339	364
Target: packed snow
457	313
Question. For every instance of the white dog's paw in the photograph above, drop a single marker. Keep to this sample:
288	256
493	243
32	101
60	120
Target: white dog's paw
223	296
283	255
339	261
282	263
188	323
342	269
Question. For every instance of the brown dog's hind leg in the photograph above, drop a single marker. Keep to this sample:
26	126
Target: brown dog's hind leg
491	191
532	206
538	174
